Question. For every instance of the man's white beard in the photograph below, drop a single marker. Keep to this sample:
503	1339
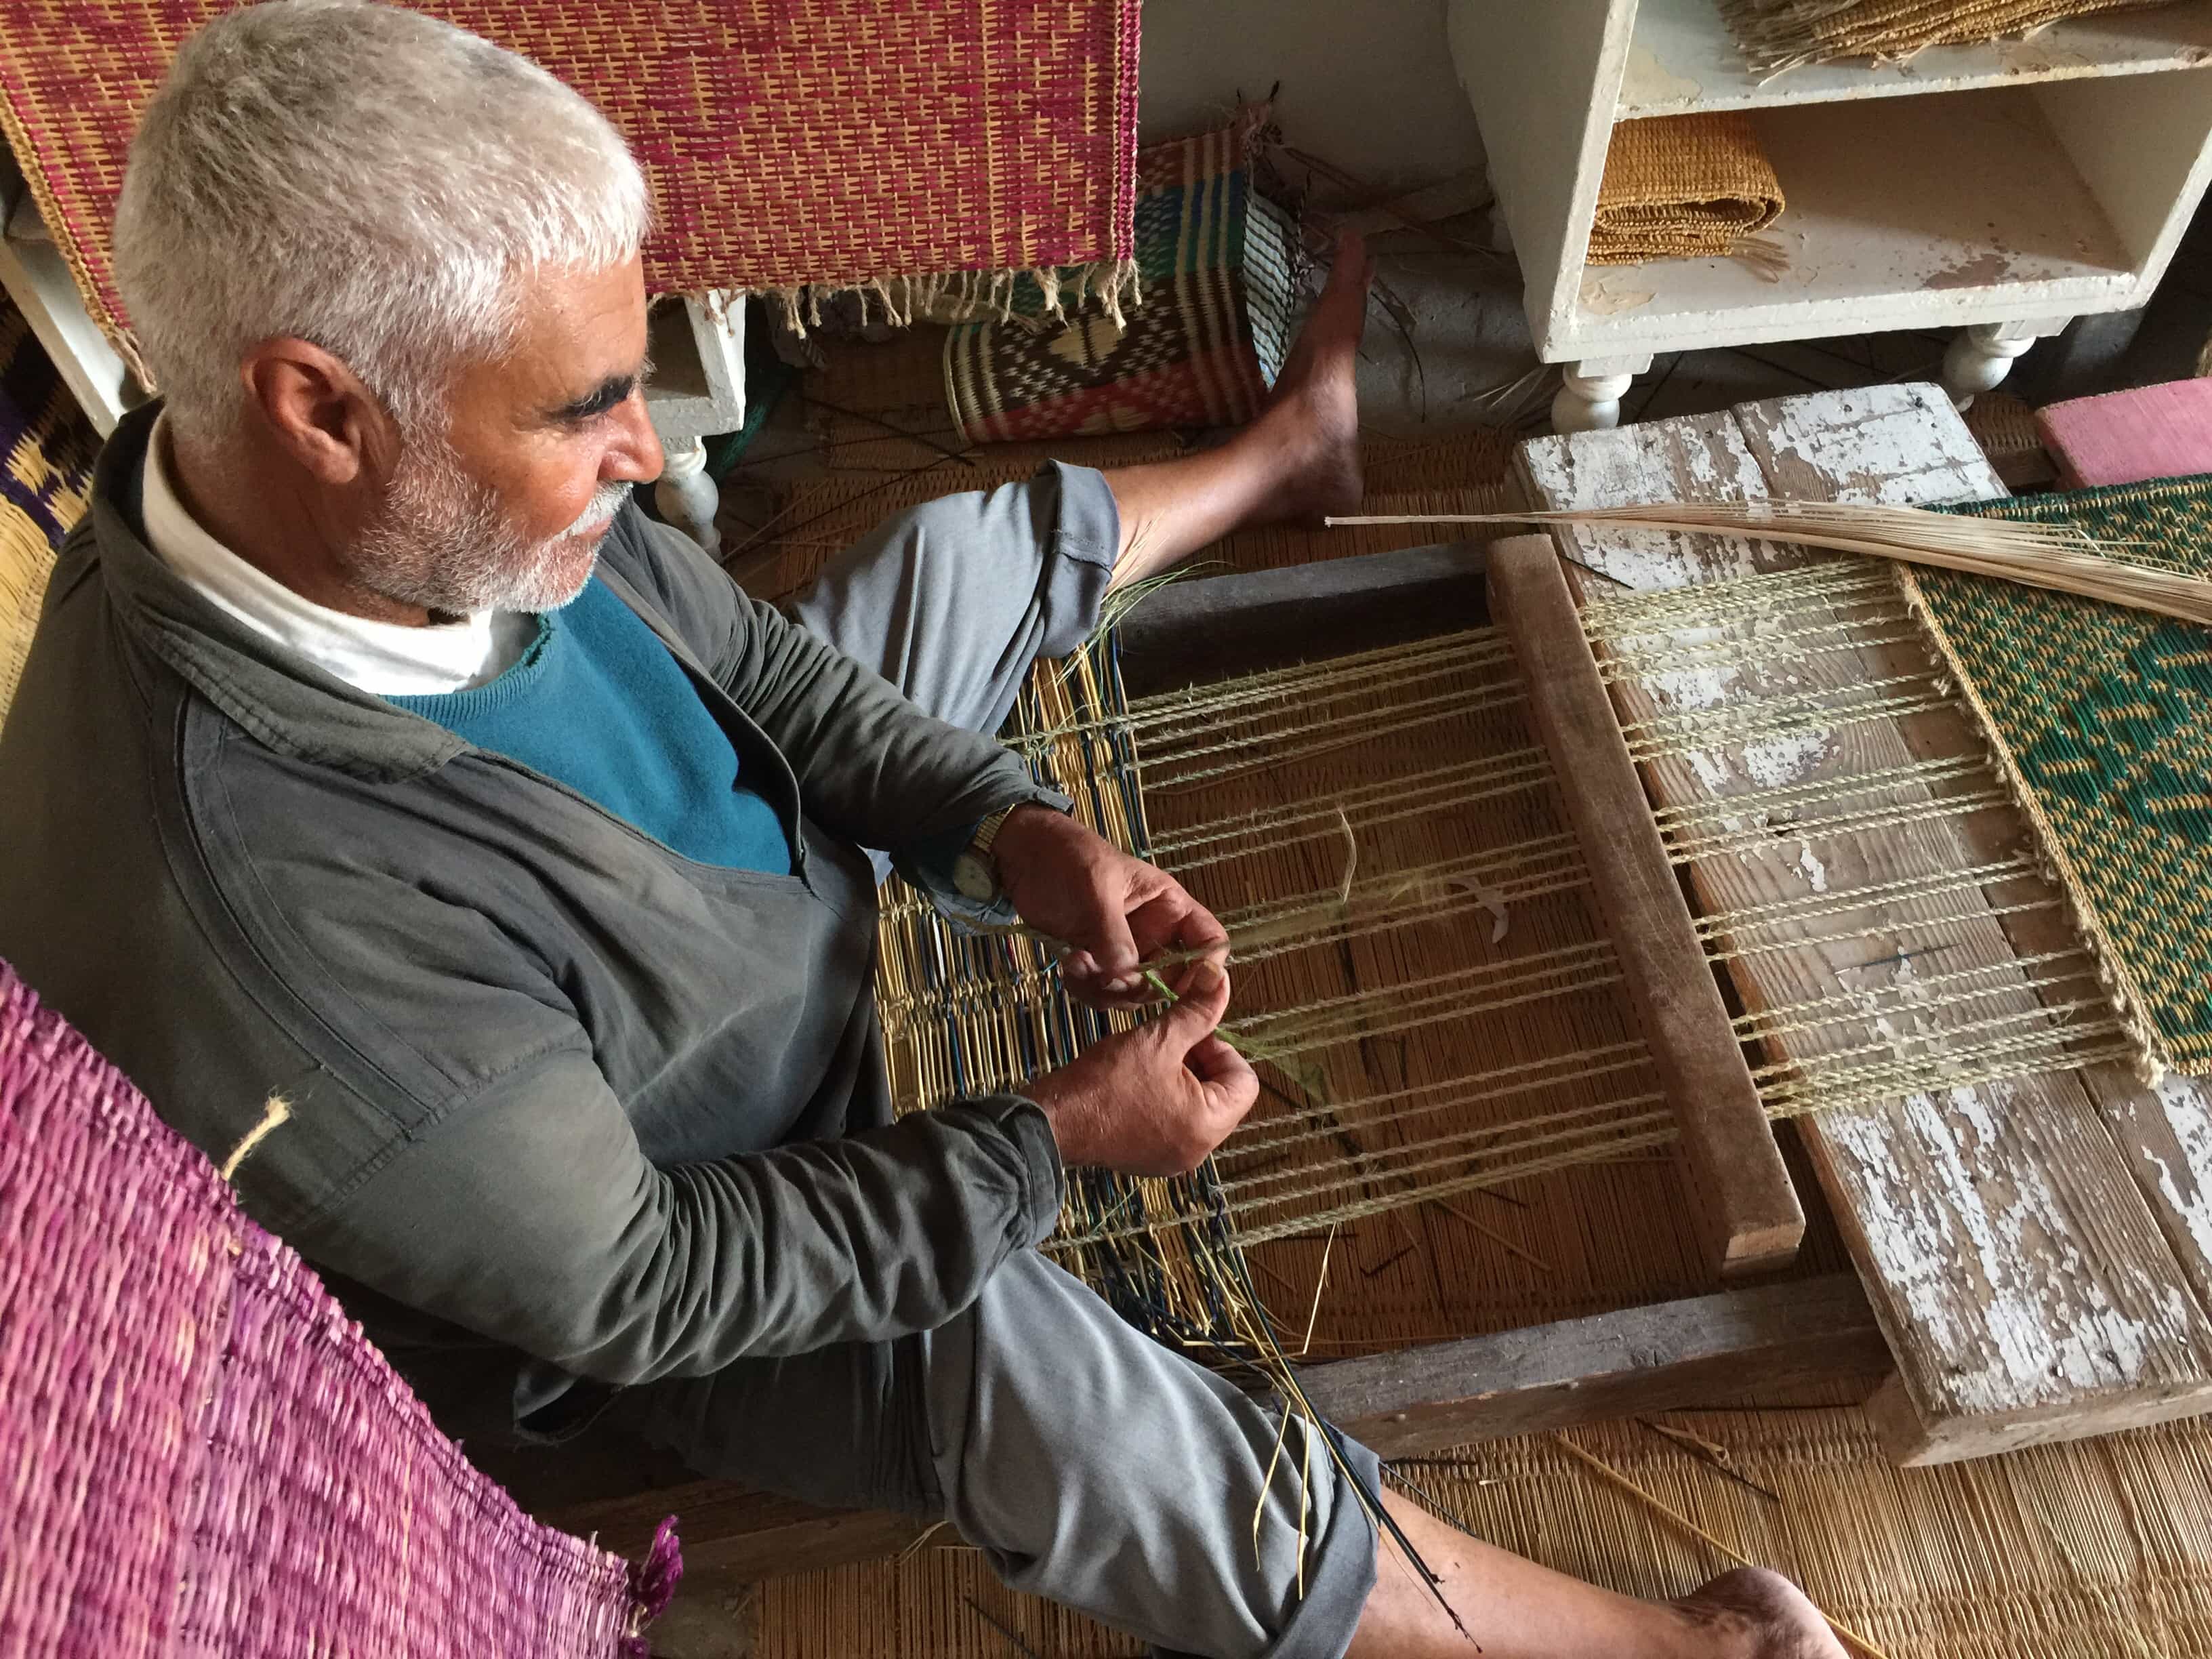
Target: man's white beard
441	542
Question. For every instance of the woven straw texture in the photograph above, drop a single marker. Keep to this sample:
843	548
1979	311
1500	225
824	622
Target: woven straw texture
1214	261
2102	716
205	1454
1781	34
824	142
2098	1550
1682	186
49	451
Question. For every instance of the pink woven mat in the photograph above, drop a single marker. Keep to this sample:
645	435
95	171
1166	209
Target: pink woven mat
202	1452
2131	437
824	143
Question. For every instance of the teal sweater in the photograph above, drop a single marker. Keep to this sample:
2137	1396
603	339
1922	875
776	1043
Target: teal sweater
599	704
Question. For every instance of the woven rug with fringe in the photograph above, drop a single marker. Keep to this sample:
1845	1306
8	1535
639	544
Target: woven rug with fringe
45	482
205	1454
1783	34
2101	717
1215	268
1683	187
2096	1550
818	144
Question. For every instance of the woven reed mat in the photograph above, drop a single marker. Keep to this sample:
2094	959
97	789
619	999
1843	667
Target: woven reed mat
1215	268
2102	719
43	485
1464	472
1682	186
824	144
1782	34
205	1454
2096	1550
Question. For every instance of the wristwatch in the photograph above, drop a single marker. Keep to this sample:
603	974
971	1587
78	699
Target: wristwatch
975	872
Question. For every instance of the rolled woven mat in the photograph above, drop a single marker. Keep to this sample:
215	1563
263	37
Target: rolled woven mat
1783	34
1683	187
1215	266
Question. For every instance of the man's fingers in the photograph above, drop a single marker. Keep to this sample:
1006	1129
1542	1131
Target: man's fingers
1205	999
1232	1087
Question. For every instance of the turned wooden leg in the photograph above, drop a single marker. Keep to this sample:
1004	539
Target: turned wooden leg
1982	356
686	496
1589	392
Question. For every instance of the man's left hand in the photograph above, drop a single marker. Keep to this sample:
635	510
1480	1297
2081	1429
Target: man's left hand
1118	912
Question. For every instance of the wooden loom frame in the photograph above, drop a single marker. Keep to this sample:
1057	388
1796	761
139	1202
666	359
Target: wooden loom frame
1769	1342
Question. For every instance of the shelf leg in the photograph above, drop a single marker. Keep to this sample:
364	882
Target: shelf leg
1589	394
1982	356
686	496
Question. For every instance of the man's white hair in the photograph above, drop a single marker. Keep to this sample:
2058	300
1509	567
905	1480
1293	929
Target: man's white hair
364	177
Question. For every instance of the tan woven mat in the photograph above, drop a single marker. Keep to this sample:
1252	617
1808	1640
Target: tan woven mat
1682	186
1782	34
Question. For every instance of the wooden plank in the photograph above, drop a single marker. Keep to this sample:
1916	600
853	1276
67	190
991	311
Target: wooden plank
1766	1343
1217	627
2028	1291
1748	1213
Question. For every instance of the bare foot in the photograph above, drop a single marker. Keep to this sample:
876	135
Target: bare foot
1312	421
1758	1614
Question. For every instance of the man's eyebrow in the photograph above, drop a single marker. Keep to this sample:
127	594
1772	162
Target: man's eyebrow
605	395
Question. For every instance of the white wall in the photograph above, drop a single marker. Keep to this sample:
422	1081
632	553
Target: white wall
1367	84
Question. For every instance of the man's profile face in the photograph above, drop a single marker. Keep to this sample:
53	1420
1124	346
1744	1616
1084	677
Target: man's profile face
508	512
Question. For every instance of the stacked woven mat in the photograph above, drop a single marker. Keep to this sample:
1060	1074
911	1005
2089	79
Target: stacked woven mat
812	144
204	1455
1683	187
1783	34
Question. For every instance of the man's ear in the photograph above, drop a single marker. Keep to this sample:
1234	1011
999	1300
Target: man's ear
316	409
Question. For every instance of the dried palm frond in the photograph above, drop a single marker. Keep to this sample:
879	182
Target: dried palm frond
2055	556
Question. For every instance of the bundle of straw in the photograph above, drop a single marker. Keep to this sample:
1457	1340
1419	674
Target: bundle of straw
1783	34
2054	557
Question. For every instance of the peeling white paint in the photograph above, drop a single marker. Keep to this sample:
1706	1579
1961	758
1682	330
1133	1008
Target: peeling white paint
1647	84
1814	872
2188	1104
1789	759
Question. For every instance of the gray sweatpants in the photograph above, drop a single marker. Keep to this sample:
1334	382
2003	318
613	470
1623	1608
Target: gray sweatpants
1089	1464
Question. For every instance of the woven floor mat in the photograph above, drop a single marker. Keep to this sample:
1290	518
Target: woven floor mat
1466	472
818	142
2098	1550
2102	718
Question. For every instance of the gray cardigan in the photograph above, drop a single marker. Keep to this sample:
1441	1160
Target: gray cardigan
564	1104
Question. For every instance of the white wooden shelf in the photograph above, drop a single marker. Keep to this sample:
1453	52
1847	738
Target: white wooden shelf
1682	58
2004	189
1937	195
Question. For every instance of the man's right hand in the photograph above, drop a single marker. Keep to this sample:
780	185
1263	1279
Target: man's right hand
1157	1100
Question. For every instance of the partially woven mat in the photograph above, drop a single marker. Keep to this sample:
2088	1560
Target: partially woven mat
2101	717
204	1453
1682	187
824	144
1215	268
1783	34
2096	1550
43	485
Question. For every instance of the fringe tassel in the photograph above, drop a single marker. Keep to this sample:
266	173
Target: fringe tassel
651	1586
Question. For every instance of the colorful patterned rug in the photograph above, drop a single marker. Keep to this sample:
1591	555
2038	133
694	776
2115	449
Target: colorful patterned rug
204	1454
2102	719
44	482
1215	261
812	144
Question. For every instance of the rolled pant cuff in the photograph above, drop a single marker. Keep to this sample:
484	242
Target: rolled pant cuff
1341	1569
1078	558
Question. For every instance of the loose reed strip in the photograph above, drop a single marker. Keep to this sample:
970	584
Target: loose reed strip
1614	1478
2056	557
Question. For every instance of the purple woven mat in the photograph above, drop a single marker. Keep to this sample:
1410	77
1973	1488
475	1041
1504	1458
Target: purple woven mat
199	1452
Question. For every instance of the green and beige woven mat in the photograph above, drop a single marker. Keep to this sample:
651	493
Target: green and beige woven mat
2103	718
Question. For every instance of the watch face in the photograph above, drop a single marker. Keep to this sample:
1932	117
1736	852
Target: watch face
974	879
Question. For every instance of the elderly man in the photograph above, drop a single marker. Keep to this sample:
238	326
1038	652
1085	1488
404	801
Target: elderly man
375	756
